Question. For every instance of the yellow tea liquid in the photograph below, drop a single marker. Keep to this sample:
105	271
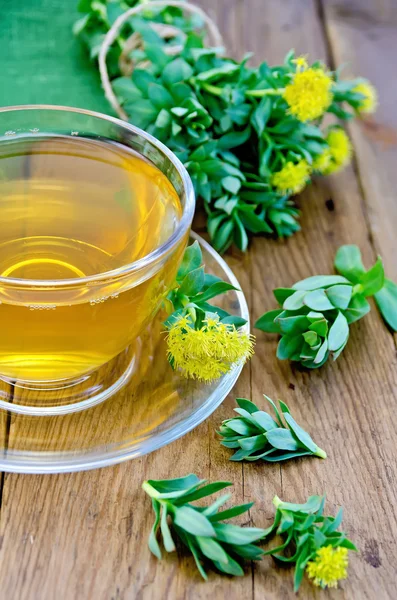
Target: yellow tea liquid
71	208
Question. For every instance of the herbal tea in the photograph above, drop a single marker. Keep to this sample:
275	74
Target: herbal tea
71	208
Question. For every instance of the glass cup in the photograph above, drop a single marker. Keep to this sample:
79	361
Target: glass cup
72	343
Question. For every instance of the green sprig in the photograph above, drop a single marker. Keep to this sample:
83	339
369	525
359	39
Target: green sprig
201	529
257	435
305	530
192	291
314	315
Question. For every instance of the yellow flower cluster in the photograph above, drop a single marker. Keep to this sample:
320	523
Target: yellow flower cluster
309	94
370	101
328	567
323	161
340	148
292	178
209	352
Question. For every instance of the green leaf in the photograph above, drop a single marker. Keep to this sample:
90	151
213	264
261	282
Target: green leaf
286	456
340	295
193	282
372	281
223	237
195	553
240	427
312	505
248	551
303	437
219	287
229	513
153	543
231	184
264	420
230	568
386	300
80	24
178	486
240	455
282	439
142	79
233	320
317	300
289	347
300	568
267	321
192	259
210	511
165	532
233	534
319	538
319	281
156	56
281	294
295	301
253	443
211	549
348	263
357	308
125	89
320	327
205	490
163	119
141	113
234	139
321	353
247	405
276	411
336	522
193	521
178	70
338	332
293	325
261	115
311	337
159	96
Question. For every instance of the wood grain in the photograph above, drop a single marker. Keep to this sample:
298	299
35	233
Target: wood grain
83	536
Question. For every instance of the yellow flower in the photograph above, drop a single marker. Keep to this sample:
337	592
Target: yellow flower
370	101
322	161
292	178
209	352
340	148
309	95
328	567
301	63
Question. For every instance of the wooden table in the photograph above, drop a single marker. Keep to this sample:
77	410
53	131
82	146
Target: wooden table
83	535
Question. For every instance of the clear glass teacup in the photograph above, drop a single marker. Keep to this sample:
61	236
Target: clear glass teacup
95	218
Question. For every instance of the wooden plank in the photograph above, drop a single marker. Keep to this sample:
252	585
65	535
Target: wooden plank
363	35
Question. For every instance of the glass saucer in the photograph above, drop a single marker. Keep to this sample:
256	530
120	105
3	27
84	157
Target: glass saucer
156	407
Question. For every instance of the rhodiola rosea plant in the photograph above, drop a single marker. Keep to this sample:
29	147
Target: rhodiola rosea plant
251	137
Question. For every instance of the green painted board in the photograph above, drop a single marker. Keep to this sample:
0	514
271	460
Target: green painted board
41	62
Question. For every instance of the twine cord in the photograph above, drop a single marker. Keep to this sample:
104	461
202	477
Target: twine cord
134	42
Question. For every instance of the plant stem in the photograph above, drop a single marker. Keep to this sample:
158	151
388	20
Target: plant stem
212	89
217	91
266	92
277	501
320	453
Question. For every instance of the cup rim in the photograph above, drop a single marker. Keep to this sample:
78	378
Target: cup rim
145	261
